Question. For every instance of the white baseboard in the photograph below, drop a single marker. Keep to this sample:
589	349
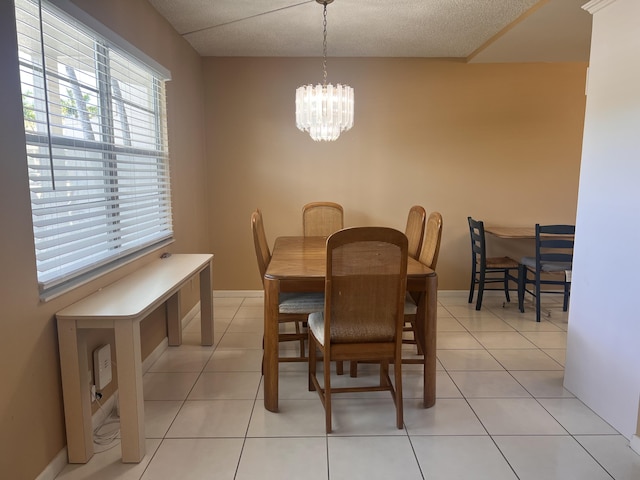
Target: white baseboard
635	444
55	466
191	315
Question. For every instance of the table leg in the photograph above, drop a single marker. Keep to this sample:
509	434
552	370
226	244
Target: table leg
270	360
174	320
127	337
430	344
206	306
74	367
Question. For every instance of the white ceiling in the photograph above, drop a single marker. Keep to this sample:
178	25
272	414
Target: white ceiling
474	30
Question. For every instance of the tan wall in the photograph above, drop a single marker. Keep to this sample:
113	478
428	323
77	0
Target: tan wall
498	142
31	412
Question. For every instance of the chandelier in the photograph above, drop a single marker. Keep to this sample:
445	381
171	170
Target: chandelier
324	110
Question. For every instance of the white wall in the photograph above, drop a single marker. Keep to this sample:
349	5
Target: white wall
603	347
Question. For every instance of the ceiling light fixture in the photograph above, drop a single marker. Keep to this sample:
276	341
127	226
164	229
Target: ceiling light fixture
324	110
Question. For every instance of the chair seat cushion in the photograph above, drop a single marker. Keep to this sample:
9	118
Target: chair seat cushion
316	326
502	262
361	332
546	266
294	302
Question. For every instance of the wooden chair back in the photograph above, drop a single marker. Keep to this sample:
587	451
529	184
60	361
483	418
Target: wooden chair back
431	245
365	285
321	219
263	253
415	229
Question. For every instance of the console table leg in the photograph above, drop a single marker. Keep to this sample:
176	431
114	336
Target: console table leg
206	306
76	394
127	335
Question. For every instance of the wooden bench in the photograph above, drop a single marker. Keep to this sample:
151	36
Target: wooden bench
121	306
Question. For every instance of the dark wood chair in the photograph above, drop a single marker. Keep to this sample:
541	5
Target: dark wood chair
550	267
365	287
488	270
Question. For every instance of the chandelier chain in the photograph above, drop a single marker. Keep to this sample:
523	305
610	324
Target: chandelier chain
324	45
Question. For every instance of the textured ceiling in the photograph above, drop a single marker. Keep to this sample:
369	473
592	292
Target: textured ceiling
475	30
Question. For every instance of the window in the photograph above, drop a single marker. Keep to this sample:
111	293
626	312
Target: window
95	124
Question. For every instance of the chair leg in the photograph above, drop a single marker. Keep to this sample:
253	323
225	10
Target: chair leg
480	291
302	353
397	376
565	303
312	362
522	281
473	286
327	392
538	296
506	285
384	372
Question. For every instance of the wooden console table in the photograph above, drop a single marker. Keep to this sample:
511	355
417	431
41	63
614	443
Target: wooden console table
121	306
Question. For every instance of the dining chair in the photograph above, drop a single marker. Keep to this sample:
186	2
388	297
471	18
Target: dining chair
321	219
293	307
488	270
365	285
428	257
415	229
551	266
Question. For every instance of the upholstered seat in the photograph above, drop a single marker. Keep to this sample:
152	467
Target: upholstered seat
300	303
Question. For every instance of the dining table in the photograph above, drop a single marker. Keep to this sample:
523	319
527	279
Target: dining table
516	232
511	232
298	264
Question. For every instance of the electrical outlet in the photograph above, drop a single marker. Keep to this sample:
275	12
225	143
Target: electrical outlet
102	367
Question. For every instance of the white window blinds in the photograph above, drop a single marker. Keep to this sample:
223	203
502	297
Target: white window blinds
97	153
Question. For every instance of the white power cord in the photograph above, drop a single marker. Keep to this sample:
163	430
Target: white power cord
107	438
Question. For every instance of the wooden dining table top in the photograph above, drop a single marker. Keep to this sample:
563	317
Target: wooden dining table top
514	232
511	232
306	258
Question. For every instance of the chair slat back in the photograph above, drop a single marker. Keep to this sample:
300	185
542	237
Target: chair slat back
478	245
433	236
554	244
365	285
263	253
321	219
415	229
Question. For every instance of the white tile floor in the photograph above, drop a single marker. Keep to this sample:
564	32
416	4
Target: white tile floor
501	410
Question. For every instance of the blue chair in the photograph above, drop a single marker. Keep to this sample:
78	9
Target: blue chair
488	270
550	267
